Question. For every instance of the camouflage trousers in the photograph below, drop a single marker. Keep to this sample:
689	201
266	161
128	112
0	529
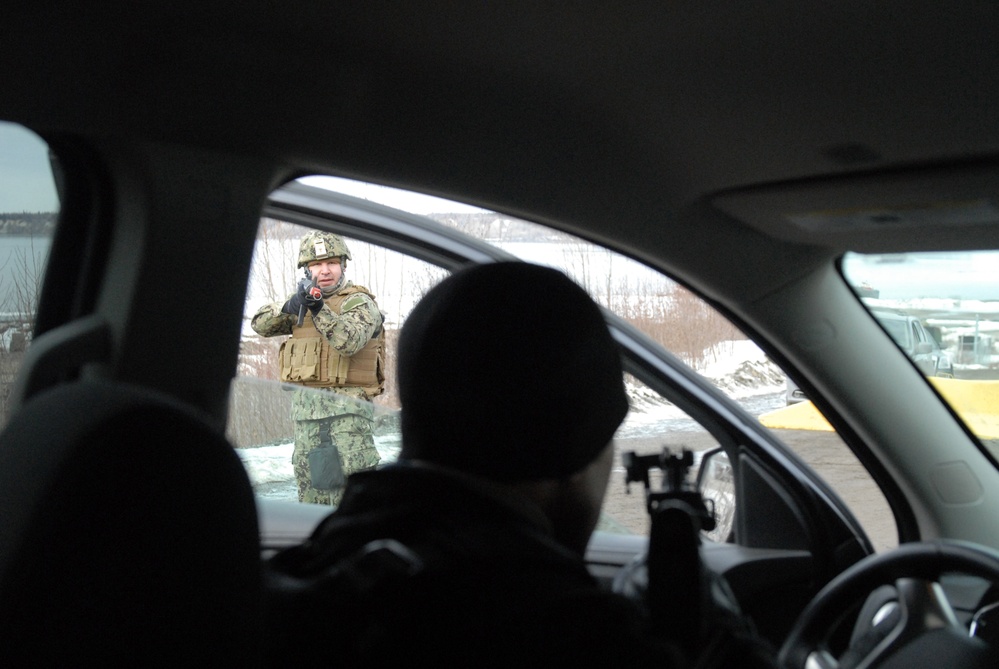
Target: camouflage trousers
354	440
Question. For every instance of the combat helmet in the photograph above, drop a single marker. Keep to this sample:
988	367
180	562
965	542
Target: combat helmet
319	245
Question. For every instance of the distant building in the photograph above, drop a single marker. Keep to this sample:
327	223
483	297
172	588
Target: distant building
866	290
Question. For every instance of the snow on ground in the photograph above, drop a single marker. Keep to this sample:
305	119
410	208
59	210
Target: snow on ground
741	369
267	465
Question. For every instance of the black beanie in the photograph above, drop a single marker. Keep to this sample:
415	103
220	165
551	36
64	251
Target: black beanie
508	371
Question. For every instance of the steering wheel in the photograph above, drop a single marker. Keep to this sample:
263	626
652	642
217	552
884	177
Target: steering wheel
924	632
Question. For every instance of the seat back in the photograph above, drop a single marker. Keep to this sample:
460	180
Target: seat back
128	534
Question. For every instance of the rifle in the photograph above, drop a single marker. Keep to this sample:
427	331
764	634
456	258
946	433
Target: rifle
314	291
676	581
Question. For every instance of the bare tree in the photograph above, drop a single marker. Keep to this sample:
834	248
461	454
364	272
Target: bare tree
19	306
275	258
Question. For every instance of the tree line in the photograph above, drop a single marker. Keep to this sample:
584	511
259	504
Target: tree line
28	223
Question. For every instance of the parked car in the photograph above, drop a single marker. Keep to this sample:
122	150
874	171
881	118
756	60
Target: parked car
756	161
911	336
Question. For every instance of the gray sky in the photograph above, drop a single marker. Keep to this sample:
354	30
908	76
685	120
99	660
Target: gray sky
415	203
25	176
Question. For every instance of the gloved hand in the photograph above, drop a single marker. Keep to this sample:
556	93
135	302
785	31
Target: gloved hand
309	295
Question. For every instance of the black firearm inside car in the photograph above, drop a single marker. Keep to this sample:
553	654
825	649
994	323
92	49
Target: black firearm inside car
675	485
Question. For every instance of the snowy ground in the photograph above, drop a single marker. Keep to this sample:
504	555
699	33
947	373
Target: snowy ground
738	368
741	370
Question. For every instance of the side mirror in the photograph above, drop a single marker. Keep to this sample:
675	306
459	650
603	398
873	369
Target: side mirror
716	482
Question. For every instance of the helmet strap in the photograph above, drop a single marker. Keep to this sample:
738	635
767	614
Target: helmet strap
334	288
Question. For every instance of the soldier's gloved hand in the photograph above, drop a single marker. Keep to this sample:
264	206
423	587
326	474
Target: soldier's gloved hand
292	306
309	295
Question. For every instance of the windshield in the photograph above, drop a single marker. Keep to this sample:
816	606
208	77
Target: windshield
943	311
897	330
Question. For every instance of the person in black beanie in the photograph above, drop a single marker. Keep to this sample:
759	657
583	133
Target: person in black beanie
469	550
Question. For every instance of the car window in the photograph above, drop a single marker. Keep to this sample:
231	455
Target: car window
897	330
29	210
678	320
949	301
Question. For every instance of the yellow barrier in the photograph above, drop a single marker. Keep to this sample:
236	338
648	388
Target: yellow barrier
800	416
977	402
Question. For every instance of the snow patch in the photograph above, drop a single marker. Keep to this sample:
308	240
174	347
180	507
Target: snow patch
741	369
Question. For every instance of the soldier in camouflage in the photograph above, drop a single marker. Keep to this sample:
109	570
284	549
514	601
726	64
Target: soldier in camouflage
336	346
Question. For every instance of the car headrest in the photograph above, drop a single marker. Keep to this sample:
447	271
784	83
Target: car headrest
128	533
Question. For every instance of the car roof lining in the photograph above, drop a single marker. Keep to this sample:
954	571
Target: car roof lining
521	115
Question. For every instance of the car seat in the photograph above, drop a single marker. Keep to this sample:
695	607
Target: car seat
128	534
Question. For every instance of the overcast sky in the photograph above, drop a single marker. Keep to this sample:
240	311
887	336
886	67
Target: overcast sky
415	203
25	176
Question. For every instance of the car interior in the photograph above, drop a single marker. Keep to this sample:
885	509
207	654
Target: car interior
722	179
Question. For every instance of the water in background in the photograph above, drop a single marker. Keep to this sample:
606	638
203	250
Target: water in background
22	261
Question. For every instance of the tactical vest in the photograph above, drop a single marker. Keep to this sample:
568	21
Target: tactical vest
308	359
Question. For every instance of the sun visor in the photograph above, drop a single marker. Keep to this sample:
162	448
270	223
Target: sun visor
878	213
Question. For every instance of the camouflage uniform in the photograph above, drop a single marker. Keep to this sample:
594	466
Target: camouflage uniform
338	416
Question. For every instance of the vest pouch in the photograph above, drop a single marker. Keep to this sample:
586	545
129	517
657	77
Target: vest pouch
325	468
300	360
338	367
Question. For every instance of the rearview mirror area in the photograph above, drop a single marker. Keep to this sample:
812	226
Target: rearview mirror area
716	483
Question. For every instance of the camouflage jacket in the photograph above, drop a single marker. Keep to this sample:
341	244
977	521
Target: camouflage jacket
347	332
